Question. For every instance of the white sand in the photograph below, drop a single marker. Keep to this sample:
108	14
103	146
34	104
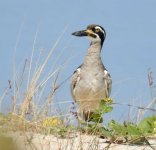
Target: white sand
31	141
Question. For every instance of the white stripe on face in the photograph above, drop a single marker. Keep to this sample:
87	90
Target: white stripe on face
97	27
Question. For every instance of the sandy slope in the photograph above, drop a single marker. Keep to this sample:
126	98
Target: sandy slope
31	141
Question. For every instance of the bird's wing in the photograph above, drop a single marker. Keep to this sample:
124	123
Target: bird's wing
75	80
108	83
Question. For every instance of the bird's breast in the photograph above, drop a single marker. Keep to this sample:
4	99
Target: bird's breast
94	82
91	86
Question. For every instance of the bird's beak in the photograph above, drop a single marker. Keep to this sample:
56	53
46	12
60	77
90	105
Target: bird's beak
80	33
87	32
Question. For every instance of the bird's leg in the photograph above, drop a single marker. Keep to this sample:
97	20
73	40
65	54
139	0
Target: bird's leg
88	115
80	117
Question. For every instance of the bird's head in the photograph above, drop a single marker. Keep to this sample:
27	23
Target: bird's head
95	33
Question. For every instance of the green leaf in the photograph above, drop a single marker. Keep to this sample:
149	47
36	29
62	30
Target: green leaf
104	108
133	131
96	117
105	132
147	125
117	129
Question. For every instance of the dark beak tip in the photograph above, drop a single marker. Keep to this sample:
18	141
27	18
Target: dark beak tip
75	33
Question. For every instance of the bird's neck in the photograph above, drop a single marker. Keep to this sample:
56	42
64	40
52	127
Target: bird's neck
94	52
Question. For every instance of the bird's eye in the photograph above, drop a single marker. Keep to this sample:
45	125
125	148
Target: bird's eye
97	29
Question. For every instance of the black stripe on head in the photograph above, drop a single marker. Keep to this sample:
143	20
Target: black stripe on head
99	30
92	35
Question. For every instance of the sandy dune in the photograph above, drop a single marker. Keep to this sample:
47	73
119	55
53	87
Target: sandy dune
76	141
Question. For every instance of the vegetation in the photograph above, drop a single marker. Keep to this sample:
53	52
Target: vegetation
116	133
122	133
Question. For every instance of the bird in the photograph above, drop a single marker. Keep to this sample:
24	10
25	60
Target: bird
91	82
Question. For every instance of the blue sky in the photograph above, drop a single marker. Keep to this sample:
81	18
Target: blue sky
128	51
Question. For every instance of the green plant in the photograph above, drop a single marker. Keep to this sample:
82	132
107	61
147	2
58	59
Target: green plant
128	131
148	125
131	132
104	108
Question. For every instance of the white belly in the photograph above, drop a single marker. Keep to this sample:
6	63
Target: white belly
90	92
